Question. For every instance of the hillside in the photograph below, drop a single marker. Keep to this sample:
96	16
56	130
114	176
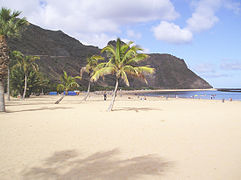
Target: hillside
59	52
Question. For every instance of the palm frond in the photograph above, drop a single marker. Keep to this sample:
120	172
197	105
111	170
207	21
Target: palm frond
130	70
101	65
118	51
102	72
144	69
78	77
109	49
10	25
131	53
138	58
139	71
16	14
97	57
60	87
124	77
65	75
125	47
73	84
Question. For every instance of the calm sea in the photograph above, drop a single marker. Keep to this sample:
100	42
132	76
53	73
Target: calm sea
219	95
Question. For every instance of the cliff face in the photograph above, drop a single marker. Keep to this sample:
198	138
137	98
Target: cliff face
172	72
59	52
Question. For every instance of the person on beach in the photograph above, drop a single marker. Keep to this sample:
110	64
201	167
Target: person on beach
105	96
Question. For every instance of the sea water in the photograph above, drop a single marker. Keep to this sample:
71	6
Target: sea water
212	94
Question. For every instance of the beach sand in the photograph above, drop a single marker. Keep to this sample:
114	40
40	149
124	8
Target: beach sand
174	139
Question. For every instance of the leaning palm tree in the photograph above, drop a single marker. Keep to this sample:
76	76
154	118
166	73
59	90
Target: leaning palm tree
67	82
90	68
10	26
123	60
27	63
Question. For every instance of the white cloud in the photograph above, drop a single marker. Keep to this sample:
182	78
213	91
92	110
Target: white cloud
133	34
204	17
232	5
92	18
96	39
172	33
102	19
146	50
204	68
208	70
234	66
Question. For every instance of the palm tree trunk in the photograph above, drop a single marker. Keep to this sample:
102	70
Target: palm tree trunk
2	101
88	92
8	83
113	96
25	86
58	101
4	61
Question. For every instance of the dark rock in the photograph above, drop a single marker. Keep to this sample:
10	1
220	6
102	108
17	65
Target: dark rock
59	52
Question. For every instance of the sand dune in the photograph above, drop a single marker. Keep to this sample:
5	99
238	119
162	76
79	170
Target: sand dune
141	139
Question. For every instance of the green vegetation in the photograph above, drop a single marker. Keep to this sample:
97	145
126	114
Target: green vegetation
67	82
122	60
27	65
36	81
10	26
90	68
24	77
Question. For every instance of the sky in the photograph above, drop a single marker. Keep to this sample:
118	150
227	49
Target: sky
205	33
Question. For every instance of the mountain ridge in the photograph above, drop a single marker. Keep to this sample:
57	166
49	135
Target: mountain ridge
59	51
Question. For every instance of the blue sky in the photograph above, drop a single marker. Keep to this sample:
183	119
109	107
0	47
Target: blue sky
205	33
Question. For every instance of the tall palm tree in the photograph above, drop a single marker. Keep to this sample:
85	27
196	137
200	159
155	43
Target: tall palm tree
12	62
10	26
67	82
123	60
28	64
90	68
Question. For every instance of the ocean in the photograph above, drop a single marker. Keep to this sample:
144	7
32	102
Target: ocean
212	94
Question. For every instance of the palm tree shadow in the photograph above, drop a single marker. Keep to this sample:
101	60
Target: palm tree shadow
135	109
29	104
39	109
101	165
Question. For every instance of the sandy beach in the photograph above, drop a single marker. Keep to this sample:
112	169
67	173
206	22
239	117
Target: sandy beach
153	139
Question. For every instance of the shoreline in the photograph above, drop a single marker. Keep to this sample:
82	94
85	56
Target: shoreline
207	94
163	90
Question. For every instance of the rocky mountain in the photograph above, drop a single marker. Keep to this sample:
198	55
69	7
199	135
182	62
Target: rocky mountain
59	52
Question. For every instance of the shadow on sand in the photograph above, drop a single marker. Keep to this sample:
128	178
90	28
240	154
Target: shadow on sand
136	109
68	165
39	109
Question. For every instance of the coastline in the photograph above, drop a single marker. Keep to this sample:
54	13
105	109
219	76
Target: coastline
163	90
208	94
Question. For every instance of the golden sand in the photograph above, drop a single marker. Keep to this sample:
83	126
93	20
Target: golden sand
174	139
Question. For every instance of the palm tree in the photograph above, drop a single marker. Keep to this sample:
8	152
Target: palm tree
123	60
10	26
90	68
28	64
67	82
12	62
